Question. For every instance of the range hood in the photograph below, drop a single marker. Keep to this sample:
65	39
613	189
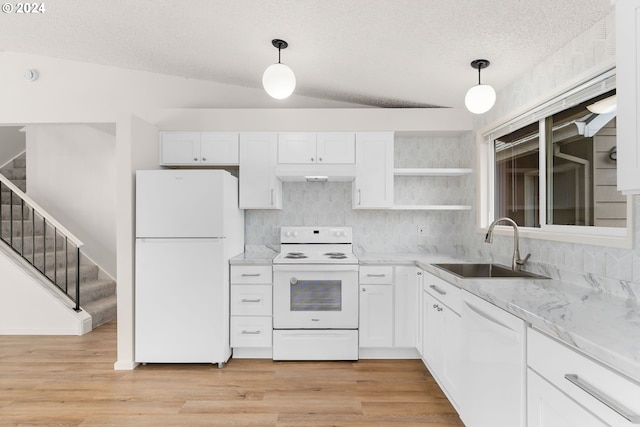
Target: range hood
316	172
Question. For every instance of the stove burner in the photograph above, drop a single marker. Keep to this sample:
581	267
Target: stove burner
335	254
338	256
295	255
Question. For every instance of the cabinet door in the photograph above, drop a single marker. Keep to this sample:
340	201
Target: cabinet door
419	330
297	147
628	94
259	186
373	185
433	325
219	148
376	316
336	147
441	344
549	407
406	301
179	148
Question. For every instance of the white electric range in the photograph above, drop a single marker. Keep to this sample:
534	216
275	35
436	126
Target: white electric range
315	295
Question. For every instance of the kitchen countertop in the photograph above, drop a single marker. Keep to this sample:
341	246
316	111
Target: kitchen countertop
602	326
262	256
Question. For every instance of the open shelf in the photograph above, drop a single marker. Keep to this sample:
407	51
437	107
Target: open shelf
431	207
431	171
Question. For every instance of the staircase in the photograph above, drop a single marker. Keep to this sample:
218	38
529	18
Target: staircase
97	291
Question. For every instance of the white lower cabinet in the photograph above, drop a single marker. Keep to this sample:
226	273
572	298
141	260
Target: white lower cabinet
389	307
568	389
441	330
376	316
251	311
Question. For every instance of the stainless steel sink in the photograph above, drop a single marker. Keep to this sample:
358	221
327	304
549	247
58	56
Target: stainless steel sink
478	271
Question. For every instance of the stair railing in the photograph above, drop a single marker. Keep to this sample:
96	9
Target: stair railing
33	218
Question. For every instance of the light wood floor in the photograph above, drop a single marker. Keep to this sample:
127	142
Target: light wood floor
70	381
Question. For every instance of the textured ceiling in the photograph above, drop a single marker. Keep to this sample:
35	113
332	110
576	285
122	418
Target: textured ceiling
387	53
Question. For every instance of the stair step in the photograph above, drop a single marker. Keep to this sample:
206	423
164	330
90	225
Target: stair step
101	311
20	162
40	243
6	210
94	290
15	173
88	273
20	183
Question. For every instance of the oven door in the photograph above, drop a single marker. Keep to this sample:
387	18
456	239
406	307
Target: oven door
315	296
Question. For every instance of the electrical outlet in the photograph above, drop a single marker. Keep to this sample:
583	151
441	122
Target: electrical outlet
422	230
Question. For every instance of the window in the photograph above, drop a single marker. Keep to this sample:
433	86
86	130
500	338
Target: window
553	170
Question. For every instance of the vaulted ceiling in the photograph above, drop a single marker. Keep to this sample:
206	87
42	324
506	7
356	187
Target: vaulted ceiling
385	53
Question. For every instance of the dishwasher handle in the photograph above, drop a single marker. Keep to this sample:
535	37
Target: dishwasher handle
488	317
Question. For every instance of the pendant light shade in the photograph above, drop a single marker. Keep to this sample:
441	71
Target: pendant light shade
480	98
278	80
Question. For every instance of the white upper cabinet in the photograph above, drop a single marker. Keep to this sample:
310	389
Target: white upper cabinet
259	186
199	148
313	148
220	148
297	147
373	185
336	147
628	94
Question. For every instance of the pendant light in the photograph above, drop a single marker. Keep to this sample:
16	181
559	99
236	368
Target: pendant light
278	79
480	98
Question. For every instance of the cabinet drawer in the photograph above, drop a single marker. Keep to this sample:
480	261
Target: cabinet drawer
249	331
251	300
584	380
448	294
254	274
376	275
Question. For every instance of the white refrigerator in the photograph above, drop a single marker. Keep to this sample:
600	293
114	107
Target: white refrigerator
188	225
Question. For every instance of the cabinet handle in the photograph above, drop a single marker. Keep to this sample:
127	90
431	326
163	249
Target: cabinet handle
602	398
419	273
364	289
359	197
376	275
438	290
312	159
319	159
251	300
251	332
272	197
250	274
195	159
204	159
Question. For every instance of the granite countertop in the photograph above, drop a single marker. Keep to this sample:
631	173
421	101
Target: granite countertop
603	326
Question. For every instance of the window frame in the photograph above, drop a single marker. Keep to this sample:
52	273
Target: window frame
569	95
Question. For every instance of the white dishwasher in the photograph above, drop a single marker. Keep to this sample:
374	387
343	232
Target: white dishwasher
493	384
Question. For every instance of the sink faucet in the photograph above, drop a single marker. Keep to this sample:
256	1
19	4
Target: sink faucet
517	262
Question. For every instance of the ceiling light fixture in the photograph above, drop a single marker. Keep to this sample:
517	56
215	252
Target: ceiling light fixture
604	106
278	79
480	98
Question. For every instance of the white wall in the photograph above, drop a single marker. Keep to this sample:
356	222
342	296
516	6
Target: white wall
12	143
71	173
27	307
